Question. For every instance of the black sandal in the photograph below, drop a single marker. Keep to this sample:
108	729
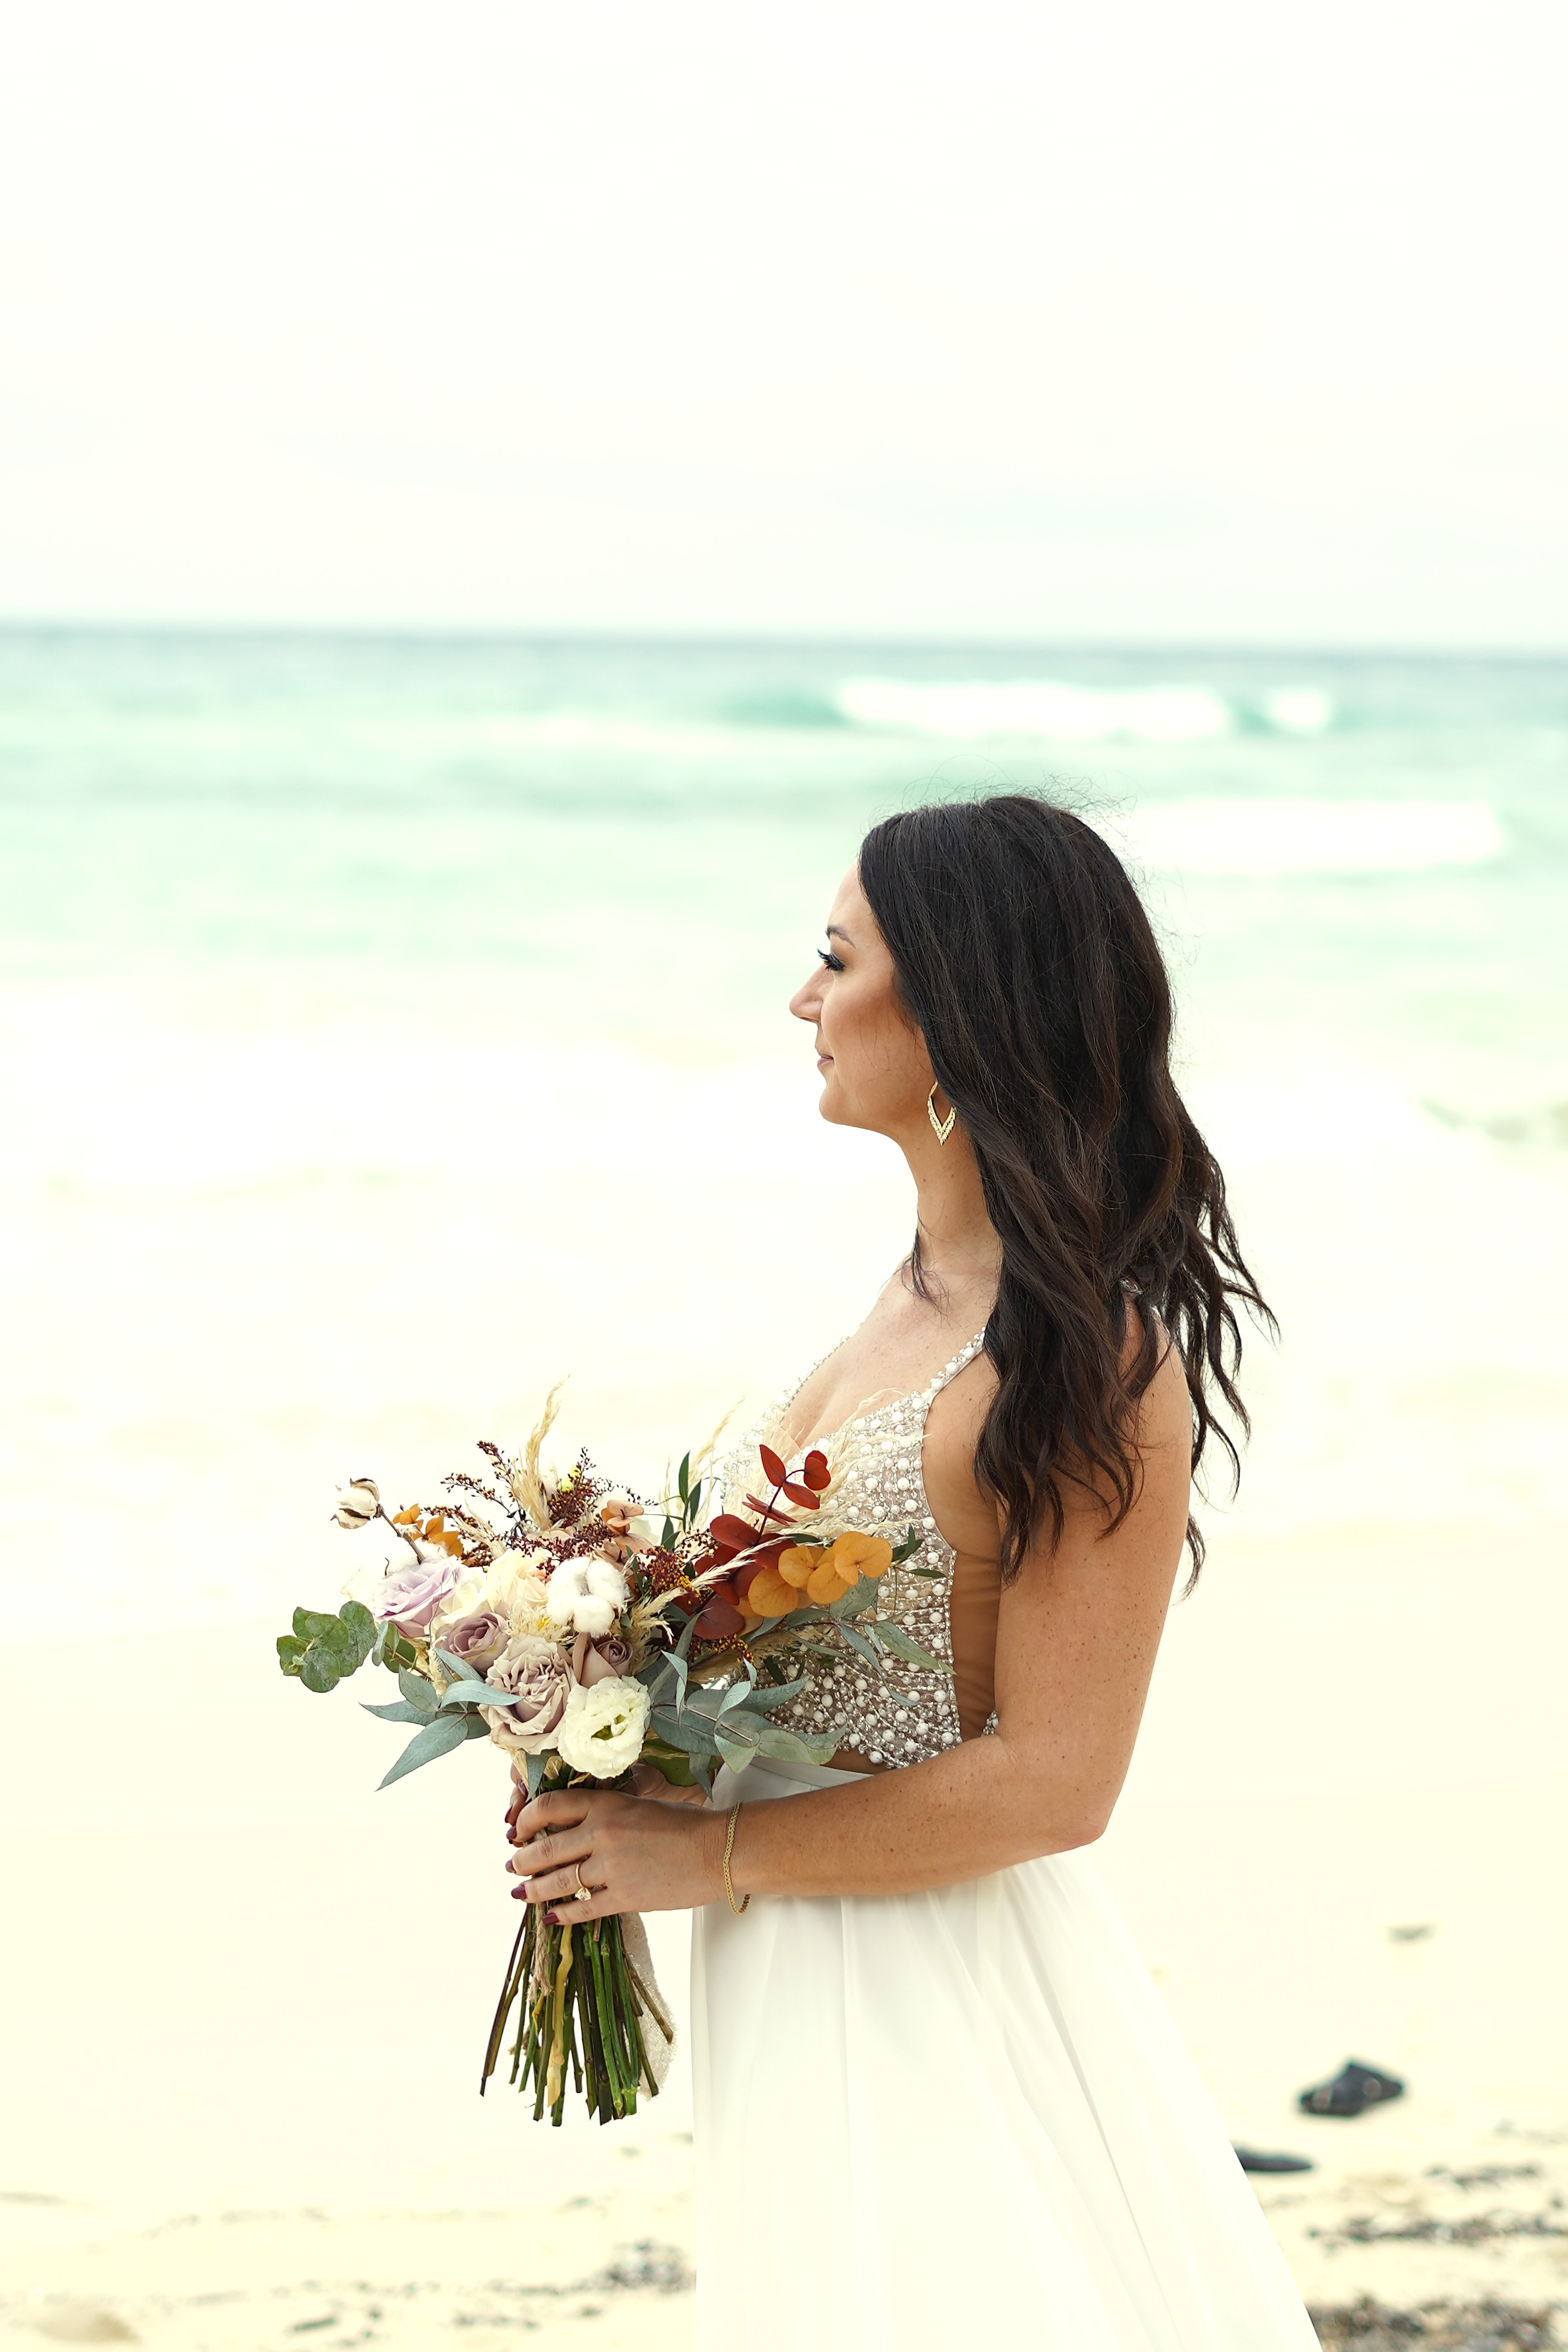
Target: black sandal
1353	2089
1251	2160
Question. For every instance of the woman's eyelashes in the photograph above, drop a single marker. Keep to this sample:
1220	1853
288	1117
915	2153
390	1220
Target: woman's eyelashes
830	960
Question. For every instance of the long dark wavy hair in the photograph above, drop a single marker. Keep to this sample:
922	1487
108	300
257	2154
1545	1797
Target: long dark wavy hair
1025	958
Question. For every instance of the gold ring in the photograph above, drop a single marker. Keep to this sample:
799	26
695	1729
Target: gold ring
584	1894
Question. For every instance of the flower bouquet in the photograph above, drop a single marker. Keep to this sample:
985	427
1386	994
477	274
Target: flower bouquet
583	1633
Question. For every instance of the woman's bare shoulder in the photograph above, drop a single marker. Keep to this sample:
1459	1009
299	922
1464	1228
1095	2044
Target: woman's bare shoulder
1163	1440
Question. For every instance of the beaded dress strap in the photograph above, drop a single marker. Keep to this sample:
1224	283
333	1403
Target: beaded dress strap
951	1371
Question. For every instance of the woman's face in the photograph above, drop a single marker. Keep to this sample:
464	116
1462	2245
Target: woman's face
874	1066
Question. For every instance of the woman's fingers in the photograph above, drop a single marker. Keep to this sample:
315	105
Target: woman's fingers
564	1885
558	1809
552	1850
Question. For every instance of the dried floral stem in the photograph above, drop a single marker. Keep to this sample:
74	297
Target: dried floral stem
381	1514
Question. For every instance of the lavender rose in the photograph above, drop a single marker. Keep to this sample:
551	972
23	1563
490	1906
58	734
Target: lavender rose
600	1661
476	1637
408	1596
538	1674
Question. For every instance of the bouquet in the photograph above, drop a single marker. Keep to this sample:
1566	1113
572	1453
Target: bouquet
585	1633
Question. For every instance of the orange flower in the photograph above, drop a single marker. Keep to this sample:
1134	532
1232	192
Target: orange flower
770	1595
825	1584
857	1556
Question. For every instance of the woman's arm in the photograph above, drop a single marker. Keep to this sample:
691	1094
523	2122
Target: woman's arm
1076	1638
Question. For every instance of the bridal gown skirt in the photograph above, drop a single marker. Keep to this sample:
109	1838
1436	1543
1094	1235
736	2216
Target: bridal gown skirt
922	2120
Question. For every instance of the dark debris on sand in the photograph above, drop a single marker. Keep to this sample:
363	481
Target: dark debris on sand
1369	2326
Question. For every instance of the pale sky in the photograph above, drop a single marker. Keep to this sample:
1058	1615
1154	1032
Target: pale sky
1116	321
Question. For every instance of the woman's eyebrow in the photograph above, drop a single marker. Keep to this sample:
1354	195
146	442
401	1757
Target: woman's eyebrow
833	932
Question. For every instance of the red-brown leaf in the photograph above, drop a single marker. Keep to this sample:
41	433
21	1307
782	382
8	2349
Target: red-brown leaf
765	1556
717	1619
803	1497
815	1472
773	1465
767	1511
733	1533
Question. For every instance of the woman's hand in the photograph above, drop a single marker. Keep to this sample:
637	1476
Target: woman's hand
635	1854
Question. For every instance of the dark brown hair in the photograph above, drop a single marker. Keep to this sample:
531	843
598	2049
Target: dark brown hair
1025	959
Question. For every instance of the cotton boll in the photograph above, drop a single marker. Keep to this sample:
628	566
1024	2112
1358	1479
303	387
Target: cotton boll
607	1583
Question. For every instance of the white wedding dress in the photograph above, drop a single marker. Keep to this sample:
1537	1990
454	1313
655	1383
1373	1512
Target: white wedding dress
958	2119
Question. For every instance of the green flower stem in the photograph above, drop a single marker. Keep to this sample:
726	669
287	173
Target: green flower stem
577	2004
503	2008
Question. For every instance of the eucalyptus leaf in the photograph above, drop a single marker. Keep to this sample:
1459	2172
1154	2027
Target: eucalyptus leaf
534	1769
475	1727
858	1643
418	1691
393	1650
323	1649
855	1603
894	1638
398	1712
460	1668
739	1729
736	1696
360	1624
472	1692
736	1757
309	1625
681	1732
654	1674
447	1731
796	1746
771	1694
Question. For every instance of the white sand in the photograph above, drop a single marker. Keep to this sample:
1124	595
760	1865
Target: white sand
242	2004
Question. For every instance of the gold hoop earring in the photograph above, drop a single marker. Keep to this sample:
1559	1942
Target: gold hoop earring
943	1126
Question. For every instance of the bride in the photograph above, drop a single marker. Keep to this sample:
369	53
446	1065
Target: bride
936	2093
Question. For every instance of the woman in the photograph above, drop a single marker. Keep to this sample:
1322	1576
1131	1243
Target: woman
934	2088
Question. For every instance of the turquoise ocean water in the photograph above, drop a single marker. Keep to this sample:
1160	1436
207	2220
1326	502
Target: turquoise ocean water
386	1018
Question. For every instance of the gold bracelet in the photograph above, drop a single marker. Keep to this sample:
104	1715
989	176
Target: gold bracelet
728	1847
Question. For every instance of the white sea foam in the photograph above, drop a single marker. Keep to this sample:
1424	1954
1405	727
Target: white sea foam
1259	838
1299	711
972	710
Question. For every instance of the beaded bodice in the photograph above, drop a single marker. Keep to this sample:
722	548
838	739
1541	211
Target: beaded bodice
882	1492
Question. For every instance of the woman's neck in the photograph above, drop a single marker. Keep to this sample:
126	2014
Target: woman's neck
959	1251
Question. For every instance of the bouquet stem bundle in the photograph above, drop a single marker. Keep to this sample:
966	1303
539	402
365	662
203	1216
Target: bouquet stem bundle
578	2003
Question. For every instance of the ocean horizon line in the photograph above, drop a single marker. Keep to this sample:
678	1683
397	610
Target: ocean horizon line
596	638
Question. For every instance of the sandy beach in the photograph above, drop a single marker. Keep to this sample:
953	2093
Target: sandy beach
244	2008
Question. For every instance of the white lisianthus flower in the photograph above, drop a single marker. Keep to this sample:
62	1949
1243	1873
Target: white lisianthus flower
601	1731
586	1595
